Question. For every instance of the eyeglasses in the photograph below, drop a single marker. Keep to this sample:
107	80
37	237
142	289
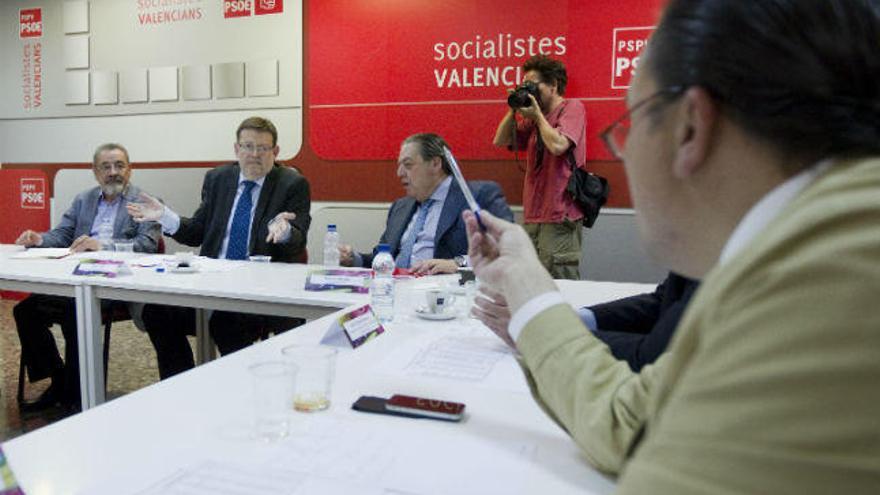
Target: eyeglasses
614	136
106	167
261	149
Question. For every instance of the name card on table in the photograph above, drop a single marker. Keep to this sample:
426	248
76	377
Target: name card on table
351	280
8	484
101	268
354	328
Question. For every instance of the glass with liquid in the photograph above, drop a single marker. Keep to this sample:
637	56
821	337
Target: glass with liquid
316	371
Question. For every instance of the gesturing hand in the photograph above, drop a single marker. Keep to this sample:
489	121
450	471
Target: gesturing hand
149	209
279	227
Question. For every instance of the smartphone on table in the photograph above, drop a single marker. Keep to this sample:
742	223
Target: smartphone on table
411	407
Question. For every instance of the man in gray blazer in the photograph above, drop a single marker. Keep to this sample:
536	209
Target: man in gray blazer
78	230
424	228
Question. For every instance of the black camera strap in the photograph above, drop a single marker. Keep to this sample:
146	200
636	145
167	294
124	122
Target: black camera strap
513	142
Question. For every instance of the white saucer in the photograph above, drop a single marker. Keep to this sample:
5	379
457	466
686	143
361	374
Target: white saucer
423	312
184	269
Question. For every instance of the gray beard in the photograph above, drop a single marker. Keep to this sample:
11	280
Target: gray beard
112	189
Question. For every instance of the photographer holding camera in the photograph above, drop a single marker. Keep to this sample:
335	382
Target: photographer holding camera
553	131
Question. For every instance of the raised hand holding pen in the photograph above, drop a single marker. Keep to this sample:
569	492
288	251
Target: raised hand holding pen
504	258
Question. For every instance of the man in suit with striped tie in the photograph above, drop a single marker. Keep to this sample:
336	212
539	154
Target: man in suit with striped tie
254	206
424	229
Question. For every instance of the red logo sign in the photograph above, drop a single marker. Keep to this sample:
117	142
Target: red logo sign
237	8
628	45
264	7
30	23
33	194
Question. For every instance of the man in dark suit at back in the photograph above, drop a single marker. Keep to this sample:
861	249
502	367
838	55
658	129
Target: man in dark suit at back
424	229
98	209
254	206
638	328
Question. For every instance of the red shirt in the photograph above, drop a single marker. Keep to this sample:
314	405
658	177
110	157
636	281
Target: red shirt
544	196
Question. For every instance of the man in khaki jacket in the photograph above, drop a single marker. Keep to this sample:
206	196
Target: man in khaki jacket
759	173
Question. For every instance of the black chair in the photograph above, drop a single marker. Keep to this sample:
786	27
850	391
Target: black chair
118	311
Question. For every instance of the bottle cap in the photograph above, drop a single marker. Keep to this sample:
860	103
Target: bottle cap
331	226
384	248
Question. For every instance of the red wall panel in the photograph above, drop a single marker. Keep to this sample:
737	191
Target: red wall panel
379	71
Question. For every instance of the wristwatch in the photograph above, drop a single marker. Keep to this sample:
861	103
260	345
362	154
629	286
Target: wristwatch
461	261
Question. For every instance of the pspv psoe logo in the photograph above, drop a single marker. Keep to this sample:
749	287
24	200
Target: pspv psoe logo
264	7
33	194
628	45
30	23
237	8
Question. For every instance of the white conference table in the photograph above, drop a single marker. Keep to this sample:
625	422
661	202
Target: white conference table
191	433
263	288
51	277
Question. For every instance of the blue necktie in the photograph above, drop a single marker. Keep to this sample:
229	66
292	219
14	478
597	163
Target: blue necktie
406	248
237	249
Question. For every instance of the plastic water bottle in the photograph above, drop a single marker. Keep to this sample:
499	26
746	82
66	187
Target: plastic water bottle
105	234
382	286
331	246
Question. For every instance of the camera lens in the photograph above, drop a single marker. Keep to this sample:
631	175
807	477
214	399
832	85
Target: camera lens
518	99
520	96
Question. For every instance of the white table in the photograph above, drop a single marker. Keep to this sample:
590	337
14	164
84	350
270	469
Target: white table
260	288
52	277
198	423
264	288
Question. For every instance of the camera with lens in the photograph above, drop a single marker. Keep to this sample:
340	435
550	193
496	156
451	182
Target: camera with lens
520	96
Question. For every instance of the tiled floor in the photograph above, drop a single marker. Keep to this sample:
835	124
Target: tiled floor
132	366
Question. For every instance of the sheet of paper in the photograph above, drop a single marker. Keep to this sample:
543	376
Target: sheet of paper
213	477
377	455
41	253
152	260
472	357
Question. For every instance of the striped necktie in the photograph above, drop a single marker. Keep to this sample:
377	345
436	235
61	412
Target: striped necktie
404	258
237	249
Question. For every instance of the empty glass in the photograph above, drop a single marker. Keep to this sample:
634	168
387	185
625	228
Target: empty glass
273	386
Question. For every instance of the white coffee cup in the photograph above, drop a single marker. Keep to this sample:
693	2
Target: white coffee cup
184	257
439	300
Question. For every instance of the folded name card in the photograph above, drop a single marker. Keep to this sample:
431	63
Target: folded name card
350	280
354	328
101	268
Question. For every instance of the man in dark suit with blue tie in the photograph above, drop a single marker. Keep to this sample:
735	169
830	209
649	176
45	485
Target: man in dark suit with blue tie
424	229
254	206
